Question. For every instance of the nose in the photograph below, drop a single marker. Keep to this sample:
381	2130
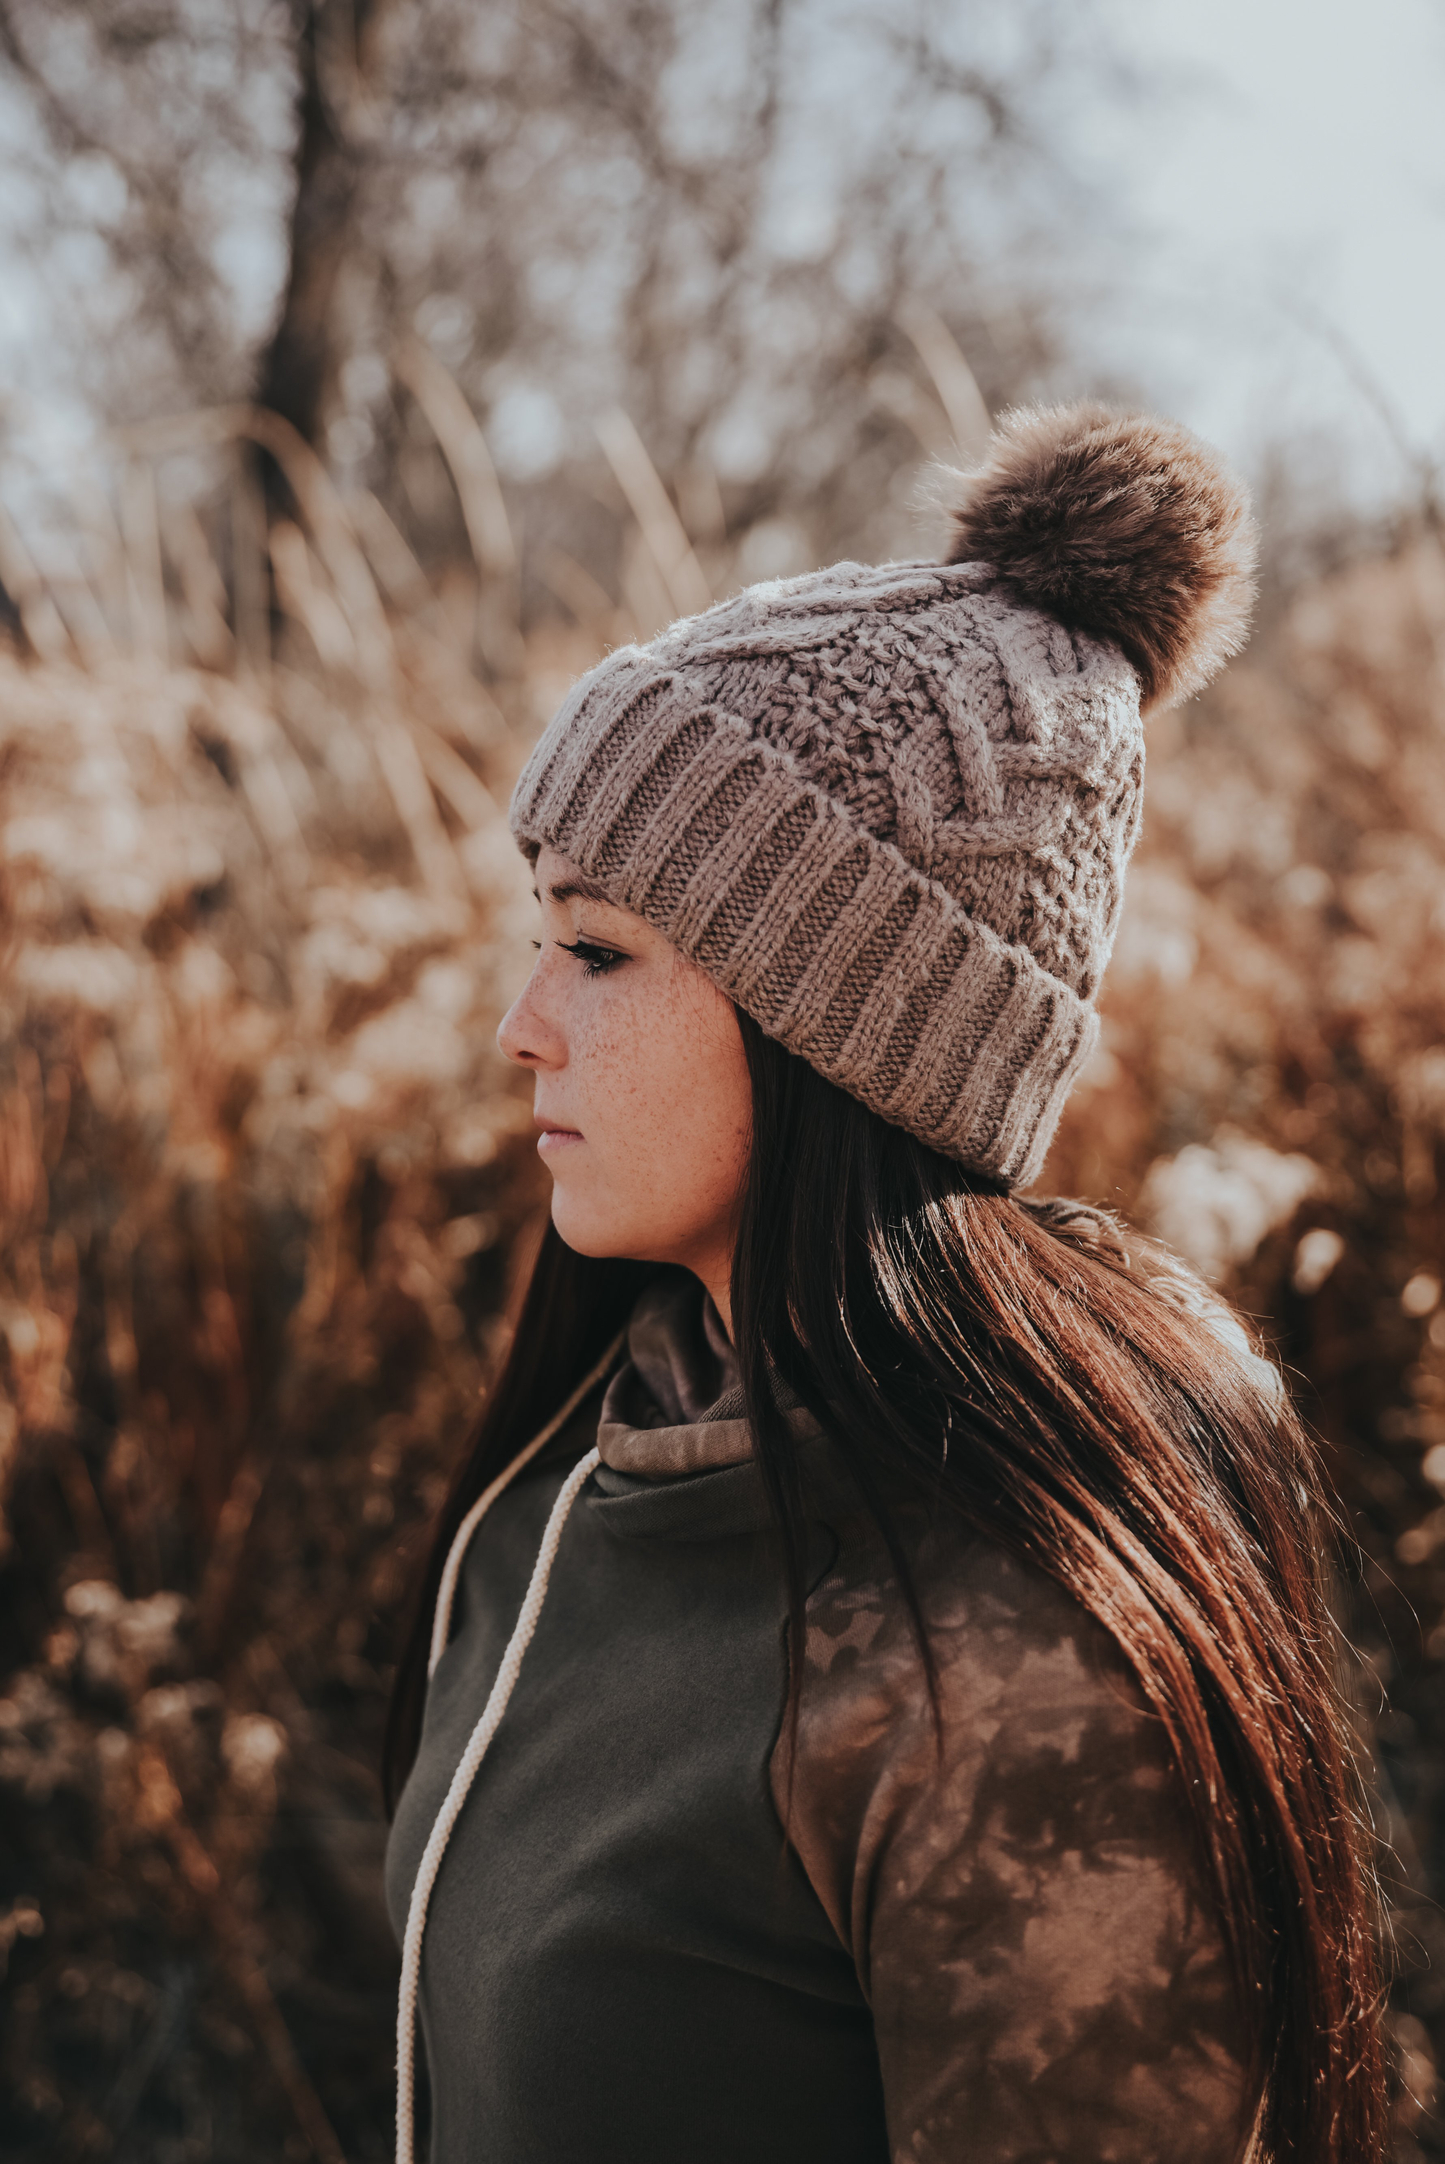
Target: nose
525	1034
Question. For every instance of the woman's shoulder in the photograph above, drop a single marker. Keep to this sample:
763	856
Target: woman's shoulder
1012	1863
1026	1736
1015	1656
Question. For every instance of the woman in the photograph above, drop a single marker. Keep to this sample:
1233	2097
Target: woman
880	1697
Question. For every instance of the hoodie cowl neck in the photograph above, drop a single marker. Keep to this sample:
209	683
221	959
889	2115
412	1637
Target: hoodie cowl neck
675	1408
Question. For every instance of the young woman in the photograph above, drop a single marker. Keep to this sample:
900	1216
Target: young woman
873	1697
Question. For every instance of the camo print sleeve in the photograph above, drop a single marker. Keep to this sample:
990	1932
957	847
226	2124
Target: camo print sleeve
1028	1919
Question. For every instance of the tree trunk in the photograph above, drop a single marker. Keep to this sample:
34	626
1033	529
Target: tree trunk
336	47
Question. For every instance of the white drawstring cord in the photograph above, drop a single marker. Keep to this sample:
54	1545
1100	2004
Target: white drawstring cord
461	1540
486	1727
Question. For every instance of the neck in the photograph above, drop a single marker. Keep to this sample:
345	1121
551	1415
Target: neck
719	1289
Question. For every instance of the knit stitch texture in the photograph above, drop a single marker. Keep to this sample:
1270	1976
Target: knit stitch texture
888	810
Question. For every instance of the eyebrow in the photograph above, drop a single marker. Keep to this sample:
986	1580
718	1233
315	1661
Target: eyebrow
579	888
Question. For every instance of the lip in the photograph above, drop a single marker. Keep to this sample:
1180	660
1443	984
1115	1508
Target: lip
556	1138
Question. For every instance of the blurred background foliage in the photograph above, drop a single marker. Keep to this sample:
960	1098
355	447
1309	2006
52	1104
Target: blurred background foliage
439	350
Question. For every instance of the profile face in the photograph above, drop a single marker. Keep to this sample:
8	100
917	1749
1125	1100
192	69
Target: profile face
642	1102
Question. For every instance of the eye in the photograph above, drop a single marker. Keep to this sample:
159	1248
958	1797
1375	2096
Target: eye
597	960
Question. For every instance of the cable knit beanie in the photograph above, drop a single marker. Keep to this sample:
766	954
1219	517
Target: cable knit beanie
889	810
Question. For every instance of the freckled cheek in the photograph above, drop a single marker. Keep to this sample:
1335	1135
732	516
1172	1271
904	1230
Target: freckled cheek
618	1083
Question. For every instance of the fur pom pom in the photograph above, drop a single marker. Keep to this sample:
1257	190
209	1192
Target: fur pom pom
1122	526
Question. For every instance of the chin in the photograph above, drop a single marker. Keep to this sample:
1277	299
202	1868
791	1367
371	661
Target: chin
589	1231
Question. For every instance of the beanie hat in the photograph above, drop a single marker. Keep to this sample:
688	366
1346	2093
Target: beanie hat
888	809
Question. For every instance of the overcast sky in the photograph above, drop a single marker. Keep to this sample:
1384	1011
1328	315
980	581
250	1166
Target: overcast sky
1292	167
1282	184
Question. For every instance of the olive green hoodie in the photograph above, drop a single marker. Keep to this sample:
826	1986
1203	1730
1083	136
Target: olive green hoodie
991	1942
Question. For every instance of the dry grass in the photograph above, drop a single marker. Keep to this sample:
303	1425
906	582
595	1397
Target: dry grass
264	1182
262	1177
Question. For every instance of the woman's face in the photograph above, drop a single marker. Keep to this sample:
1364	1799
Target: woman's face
642	1092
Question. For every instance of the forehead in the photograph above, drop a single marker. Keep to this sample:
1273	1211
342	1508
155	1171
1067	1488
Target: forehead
558	879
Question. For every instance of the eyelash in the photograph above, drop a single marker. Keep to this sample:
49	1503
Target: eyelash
597	960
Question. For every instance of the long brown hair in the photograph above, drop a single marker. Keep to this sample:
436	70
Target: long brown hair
1024	1364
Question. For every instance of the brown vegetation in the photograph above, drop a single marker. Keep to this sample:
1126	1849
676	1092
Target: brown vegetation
264	1183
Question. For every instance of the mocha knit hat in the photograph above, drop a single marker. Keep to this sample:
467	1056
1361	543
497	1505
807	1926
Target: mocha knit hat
889	810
